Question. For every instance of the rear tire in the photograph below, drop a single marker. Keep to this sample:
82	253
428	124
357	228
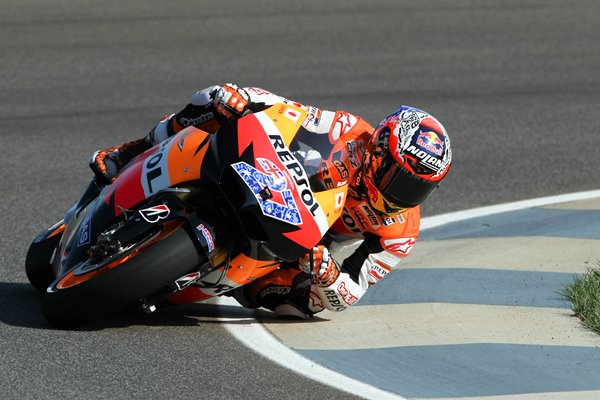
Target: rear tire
155	267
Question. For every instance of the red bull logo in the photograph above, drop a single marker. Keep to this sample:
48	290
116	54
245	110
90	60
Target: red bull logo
430	141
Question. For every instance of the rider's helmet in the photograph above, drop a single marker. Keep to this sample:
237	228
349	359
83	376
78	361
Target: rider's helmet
407	157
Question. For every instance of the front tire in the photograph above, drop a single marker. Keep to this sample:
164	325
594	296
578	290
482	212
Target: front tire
144	269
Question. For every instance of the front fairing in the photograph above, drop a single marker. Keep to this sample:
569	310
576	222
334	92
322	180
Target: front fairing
276	192
172	163
76	239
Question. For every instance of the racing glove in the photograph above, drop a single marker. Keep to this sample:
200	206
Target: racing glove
231	101
208	109
106	164
323	268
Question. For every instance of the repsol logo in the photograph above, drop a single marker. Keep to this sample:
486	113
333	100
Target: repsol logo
334	300
153	167
296	171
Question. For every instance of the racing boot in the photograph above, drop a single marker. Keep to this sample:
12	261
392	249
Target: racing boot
286	292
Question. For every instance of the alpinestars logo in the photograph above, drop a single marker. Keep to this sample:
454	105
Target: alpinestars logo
401	246
155	213
196	121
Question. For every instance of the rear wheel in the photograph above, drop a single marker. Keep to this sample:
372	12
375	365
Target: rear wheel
100	287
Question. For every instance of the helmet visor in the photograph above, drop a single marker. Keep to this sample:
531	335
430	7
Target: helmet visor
399	186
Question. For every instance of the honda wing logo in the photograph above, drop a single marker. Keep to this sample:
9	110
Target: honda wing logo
155	213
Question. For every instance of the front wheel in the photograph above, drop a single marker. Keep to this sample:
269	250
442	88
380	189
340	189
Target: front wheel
98	288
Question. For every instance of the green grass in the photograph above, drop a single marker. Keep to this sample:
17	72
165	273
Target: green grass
584	294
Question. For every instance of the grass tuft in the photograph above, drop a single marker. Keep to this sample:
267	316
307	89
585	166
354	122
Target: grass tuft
584	294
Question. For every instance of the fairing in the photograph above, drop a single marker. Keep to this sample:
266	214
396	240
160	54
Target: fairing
245	169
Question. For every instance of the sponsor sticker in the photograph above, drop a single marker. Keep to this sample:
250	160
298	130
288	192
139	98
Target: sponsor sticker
315	302
313	117
155	213
377	272
155	174
281	205
355	153
387	220
187	280
343	123
259	91
350	222
333	300
207	235
430	141
400	245
277	290
291	114
196	121
348	297
85	231
339	201
428	160
371	216
338	162
359	217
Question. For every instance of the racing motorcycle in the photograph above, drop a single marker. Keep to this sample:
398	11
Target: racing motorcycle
195	216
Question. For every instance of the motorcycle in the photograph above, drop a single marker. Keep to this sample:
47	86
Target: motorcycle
195	216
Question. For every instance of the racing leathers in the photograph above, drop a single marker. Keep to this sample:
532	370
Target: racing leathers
333	143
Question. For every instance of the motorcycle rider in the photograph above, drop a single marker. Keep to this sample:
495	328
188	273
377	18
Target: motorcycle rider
391	170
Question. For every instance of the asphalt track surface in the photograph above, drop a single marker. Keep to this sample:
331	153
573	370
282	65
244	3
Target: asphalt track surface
515	83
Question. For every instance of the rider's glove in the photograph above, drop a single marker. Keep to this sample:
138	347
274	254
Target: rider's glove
324	268
106	164
231	101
